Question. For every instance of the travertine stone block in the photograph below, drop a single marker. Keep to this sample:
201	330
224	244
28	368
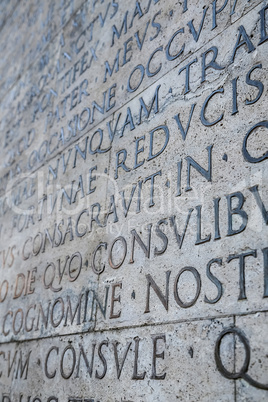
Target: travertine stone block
133	201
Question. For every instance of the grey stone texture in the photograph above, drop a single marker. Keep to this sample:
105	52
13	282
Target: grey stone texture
133	201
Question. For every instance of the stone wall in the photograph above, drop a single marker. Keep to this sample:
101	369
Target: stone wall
134	254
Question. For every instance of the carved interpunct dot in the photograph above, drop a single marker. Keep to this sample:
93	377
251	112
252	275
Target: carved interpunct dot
133	201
